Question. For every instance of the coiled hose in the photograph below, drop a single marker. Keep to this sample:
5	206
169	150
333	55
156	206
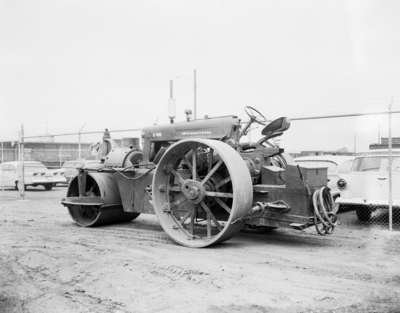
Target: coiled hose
325	218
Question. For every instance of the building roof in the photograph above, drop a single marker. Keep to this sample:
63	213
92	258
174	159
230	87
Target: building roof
381	152
25	162
338	159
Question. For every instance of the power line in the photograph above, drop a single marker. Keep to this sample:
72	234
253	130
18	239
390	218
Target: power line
342	115
303	118
84	133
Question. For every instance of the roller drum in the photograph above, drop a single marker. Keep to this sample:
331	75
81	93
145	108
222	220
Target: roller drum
99	205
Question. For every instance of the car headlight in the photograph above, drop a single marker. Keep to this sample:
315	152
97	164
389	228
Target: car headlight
341	183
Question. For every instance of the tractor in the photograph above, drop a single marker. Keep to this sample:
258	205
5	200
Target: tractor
204	183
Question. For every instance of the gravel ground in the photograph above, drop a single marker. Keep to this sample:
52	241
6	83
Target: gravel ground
49	265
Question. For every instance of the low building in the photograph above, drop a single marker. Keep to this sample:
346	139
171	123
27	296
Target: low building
342	151
52	154
384	143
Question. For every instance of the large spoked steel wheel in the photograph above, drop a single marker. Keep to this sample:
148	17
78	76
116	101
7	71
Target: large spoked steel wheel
201	190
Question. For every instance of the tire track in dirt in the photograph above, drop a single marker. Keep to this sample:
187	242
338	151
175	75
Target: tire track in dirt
135	267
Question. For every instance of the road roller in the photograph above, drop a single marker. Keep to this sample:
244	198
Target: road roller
204	182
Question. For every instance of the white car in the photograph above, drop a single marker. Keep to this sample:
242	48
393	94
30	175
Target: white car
336	164
35	174
59	176
366	187
71	167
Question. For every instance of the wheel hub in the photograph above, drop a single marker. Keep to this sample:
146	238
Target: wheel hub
193	190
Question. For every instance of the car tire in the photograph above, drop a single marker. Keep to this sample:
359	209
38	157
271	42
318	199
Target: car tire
363	213
48	186
343	208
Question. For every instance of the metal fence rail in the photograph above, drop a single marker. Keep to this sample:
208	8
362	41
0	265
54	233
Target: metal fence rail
55	158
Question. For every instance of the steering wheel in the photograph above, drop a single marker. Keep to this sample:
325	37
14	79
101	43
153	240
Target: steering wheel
255	115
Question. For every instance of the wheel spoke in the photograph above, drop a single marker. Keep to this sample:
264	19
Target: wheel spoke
194	166
213	170
210	159
223	182
186	216
174	188
219	194
208	225
223	205
209	213
178	202
192	217
178	225
187	162
177	176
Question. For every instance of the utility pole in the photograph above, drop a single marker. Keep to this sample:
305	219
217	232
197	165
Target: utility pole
355	143
171	103
390	167
195	94
21	182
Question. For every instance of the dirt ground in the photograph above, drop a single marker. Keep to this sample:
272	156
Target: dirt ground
49	265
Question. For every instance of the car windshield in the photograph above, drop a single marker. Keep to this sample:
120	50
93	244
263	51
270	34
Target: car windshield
345	167
332	167
375	163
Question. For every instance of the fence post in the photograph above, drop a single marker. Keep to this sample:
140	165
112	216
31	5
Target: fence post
390	167
2	160
21	183
79	145
59	156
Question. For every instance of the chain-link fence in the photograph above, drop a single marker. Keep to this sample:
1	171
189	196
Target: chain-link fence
361	152
42	163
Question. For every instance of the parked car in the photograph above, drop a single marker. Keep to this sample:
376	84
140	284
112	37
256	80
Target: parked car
366	187
35	174
336	164
71	167
58	176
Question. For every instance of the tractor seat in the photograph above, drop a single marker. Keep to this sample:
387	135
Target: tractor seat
276	127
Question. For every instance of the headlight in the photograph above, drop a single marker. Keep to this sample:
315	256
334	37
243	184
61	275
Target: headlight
341	183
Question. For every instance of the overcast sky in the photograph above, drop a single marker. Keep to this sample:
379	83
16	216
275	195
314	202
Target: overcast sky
65	63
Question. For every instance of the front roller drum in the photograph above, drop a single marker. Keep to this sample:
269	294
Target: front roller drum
202	189
93	200
90	216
